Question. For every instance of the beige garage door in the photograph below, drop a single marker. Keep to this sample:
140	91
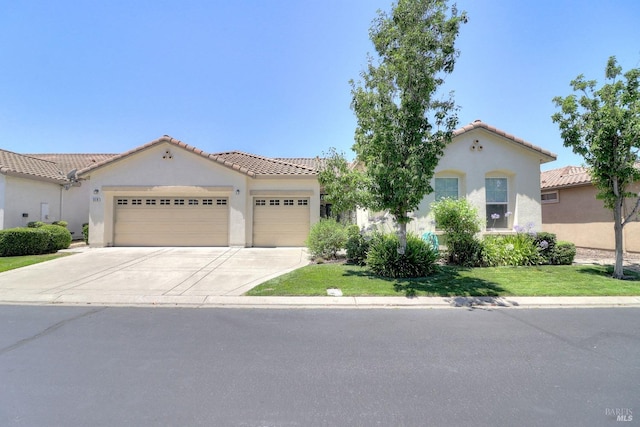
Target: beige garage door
282	221
171	221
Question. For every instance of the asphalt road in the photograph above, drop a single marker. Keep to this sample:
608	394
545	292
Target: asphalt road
94	366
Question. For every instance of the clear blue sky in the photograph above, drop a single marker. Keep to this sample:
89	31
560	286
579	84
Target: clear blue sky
270	77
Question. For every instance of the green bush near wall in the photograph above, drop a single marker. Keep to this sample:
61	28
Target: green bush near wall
36	239
24	241
85	232
60	237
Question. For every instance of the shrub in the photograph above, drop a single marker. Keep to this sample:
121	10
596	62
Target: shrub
546	244
460	222
563	253
24	241
514	249
383	259
85	232
35	224
326	238
61	223
463	249
59	237
357	246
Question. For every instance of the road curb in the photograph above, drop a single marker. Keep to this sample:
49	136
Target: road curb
322	302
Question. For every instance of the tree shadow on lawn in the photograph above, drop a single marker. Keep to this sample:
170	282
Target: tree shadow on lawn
458	290
596	270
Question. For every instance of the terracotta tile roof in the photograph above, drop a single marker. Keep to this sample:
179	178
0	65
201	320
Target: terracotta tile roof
68	162
310	162
261	166
30	167
248	164
479	124
568	176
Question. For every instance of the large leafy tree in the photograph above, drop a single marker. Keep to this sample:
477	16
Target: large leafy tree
344	186
603	126
402	124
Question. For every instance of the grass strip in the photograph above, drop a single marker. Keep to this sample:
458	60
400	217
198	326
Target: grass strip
13	262
547	280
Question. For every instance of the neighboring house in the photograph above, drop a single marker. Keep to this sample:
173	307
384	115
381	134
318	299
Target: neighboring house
167	193
74	206
571	211
497	172
31	189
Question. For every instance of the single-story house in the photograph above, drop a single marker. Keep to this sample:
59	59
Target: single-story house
497	172
571	211
31	189
167	193
164	193
73	194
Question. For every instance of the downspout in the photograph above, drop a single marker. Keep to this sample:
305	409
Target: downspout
61	204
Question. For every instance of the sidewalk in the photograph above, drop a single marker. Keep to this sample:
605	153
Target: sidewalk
162	284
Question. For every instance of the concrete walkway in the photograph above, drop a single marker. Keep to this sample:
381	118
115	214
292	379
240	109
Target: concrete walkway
213	277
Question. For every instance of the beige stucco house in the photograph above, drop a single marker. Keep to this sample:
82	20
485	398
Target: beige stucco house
571	211
497	172
167	193
31	189
164	193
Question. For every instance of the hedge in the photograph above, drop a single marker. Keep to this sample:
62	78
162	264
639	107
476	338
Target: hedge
24	241
46	238
60	237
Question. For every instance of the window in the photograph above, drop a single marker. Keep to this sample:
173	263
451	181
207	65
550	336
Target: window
221	202
136	201
497	202
274	202
261	202
550	197
122	202
446	187
165	201
207	201
178	201
288	202
193	202
303	202
150	202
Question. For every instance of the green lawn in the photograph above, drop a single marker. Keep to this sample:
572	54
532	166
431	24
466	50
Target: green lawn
11	262
562	280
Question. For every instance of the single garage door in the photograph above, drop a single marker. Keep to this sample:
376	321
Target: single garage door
171	221
282	221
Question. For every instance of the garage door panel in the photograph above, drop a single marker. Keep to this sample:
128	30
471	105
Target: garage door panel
280	224
201	223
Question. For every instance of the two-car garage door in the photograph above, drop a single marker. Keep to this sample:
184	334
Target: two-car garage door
204	221
171	221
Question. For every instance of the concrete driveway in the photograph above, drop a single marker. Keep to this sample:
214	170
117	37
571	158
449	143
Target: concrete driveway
192	274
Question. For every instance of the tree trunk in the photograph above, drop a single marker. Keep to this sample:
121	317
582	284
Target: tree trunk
402	236
618	272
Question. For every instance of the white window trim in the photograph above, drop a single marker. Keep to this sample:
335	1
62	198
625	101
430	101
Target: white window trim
506	178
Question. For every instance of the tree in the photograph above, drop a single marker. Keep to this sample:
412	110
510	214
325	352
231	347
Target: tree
402	128
603	126
343	185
